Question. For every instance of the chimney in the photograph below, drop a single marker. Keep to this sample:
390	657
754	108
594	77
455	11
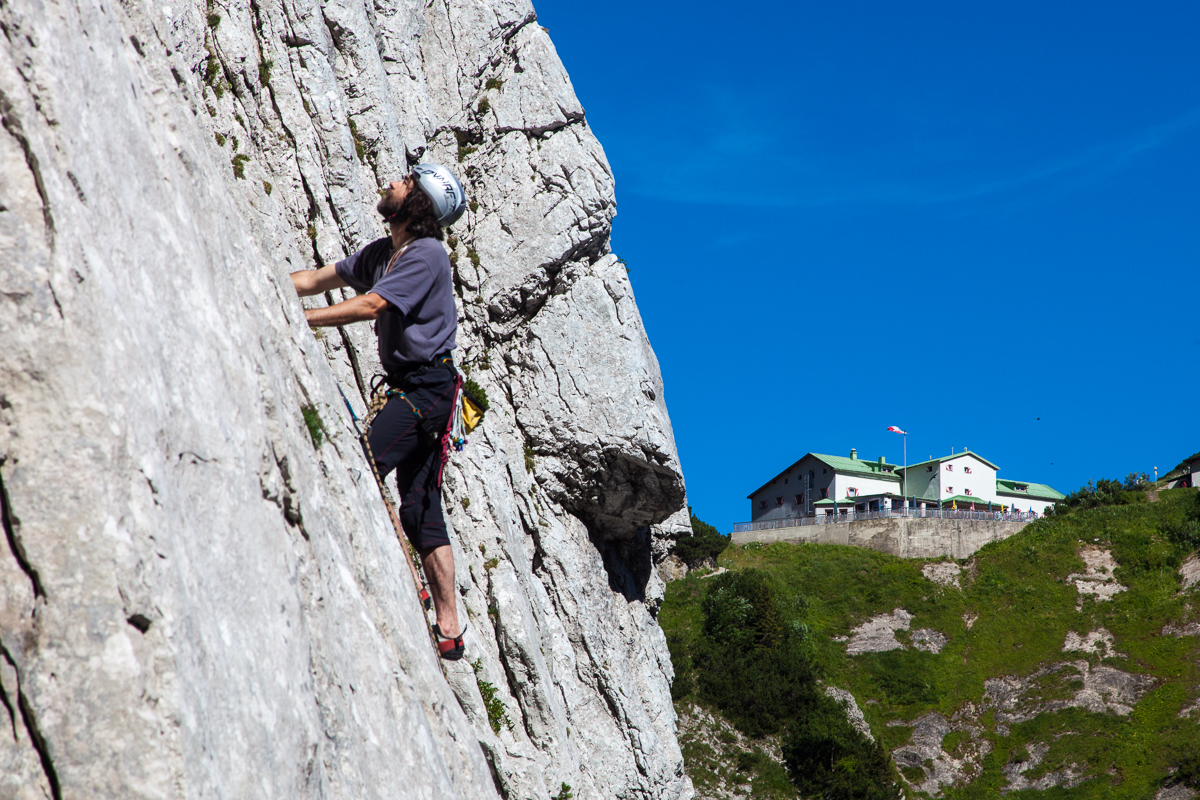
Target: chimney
881	462
853	454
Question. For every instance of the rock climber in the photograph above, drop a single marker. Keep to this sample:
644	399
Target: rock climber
405	286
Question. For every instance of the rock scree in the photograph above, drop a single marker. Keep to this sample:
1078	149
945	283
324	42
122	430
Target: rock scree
201	594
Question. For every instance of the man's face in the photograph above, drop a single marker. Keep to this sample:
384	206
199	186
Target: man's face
393	196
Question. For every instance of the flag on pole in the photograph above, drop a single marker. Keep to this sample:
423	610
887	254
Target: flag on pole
894	429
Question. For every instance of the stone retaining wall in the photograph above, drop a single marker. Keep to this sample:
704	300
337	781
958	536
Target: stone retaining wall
901	536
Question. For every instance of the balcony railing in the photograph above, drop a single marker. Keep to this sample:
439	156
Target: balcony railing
856	516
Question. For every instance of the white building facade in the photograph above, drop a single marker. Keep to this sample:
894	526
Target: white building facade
824	484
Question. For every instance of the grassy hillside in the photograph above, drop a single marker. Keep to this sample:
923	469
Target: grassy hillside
1101	724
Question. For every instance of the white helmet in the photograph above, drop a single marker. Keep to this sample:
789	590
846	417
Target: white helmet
449	199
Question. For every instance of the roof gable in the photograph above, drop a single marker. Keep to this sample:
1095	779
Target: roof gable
953	456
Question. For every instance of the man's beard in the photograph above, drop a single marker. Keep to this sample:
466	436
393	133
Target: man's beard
389	205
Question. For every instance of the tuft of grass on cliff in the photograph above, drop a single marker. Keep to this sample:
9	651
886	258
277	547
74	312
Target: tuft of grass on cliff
1020	605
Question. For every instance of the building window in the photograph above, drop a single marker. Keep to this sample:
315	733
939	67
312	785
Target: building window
778	501
967	470
762	504
785	480
824	494
949	468
929	469
851	491
811	477
823	470
800	499
949	490
1021	487
966	491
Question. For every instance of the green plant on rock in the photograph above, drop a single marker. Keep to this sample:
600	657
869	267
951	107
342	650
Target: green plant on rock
474	256
465	146
530	456
493	83
473	205
497	714
483	106
312	421
466	503
214	20
239	165
267	187
564	793
264	71
359	148
477	393
220	137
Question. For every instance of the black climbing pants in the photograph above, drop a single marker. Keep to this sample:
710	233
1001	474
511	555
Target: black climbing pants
399	442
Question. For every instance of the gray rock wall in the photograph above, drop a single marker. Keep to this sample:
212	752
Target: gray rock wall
196	597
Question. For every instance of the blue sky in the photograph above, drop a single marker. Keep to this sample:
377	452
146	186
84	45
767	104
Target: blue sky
978	222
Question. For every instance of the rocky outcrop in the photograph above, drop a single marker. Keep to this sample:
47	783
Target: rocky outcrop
201	594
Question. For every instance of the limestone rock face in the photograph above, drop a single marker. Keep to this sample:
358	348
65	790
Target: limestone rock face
200	592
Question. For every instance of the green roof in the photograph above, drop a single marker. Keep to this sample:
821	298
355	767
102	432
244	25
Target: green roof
1039	491
953	455
854	466
968	499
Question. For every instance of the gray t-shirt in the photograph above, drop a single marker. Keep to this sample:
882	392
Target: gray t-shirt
421	321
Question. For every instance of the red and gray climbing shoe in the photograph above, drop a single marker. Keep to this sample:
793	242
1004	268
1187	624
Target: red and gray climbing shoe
449	649
426	600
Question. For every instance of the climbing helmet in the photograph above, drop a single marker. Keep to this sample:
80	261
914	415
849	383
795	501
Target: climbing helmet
449	199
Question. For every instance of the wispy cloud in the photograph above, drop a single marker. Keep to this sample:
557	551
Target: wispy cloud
778	168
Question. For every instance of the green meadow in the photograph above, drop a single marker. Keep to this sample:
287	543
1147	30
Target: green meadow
1010	616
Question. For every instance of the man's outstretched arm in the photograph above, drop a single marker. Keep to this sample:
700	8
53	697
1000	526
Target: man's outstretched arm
365	307
314	281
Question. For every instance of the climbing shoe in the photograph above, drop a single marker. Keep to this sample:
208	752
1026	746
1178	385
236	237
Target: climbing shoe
426	600
449	649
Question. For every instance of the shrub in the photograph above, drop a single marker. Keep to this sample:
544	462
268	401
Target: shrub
704	543
1187	769
828	758
493	83
1102	493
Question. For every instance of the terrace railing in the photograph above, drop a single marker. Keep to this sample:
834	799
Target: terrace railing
891	513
